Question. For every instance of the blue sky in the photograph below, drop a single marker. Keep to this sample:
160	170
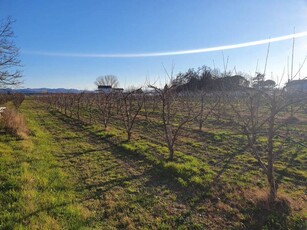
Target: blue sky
139	26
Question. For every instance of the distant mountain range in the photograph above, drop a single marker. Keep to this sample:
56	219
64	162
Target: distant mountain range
43	90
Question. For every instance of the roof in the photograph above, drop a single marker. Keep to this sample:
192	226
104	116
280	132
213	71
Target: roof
104	87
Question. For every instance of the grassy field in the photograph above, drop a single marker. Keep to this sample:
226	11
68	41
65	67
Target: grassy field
69	175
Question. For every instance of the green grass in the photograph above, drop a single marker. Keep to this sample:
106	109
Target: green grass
71	175
35	191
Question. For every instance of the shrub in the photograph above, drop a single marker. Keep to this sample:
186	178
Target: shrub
13	122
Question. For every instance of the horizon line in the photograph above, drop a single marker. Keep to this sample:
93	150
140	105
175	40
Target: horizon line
168	53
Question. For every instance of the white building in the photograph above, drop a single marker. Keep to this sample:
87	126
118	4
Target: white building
104	88
109	89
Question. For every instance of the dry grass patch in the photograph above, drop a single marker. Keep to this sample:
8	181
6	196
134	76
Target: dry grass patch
14	123
283	213
260	199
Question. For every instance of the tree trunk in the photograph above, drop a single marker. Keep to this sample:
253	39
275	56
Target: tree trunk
129	135
171	152
272	184
78	111
65	108
90	115
201	113
270	171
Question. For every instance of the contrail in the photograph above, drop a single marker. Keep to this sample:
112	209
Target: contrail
171	53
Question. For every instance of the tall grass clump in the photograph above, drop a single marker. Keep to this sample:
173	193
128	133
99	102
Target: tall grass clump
13	122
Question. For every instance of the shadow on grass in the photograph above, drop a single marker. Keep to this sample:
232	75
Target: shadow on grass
154	173
70	155
257	215
295	178
228	160
96	190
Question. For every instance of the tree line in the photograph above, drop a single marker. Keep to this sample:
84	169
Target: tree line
207	79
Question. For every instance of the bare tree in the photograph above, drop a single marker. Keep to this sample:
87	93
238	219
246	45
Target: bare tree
4	98
209	104
18	99
104	103
131	105
176	112
260	114
110	80
9	56
78	99
89	103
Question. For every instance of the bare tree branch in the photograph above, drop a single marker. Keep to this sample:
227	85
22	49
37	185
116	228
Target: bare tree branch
9	56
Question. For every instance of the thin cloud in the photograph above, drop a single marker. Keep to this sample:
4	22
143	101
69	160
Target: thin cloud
171	53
